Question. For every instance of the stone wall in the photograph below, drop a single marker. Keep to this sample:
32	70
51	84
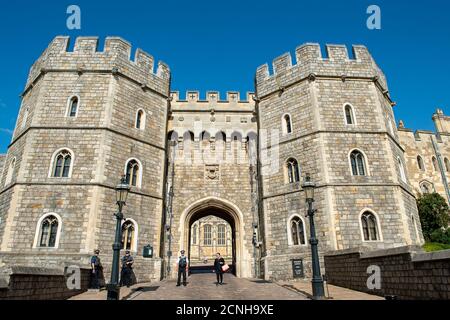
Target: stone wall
2	161
314	92
420	144
31	283
406	272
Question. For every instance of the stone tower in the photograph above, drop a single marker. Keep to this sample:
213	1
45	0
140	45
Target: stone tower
83	106
332	115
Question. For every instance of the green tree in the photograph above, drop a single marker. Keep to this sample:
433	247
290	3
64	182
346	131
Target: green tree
433	212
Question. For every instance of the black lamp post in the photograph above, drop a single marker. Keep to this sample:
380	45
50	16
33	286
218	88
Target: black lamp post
317	281
121	194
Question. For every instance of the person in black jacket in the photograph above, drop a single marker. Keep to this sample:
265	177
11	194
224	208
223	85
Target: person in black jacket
127	265
218	264
96	267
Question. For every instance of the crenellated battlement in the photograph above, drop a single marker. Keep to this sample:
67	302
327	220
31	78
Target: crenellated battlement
115	57
213	97
310	62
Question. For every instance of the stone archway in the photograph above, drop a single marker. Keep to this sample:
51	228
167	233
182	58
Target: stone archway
227	211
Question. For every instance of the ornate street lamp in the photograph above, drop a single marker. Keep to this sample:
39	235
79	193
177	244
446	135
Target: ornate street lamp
317	281
121	195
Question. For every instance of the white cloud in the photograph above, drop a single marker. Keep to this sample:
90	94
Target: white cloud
7	131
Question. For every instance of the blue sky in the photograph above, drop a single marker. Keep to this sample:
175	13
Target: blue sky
217	45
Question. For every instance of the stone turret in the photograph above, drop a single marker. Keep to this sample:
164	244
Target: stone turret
324	111
441	122
101	136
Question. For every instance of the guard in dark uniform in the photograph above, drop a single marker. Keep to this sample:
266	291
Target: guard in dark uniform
183	268
96	267
127	263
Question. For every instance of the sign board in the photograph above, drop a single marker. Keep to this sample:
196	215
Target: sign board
297	268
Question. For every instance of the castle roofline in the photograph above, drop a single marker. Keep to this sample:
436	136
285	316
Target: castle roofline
194	96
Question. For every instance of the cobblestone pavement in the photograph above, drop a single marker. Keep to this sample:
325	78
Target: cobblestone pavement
203	287
331	292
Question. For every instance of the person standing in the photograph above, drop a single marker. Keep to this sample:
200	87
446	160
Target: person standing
127	263
218	264
96	267
183	267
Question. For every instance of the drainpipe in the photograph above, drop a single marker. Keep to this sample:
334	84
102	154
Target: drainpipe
441	167
169	208
254	188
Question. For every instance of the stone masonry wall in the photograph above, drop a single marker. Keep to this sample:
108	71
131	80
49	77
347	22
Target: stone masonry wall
407	273
420	144
28	283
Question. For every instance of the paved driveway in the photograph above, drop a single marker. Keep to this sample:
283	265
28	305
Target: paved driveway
203	287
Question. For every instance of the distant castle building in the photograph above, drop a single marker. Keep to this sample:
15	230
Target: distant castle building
427	156
89	117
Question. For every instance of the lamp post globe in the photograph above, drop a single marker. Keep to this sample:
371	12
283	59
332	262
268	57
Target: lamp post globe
317	281
309	186
122	191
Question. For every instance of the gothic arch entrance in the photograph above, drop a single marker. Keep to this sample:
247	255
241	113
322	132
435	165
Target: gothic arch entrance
223	210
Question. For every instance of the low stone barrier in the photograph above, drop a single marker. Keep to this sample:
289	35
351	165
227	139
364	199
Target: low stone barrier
34	283
406	273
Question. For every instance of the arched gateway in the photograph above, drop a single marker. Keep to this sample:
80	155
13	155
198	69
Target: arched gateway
227	211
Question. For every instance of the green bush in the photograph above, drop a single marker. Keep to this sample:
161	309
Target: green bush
433	212
441	236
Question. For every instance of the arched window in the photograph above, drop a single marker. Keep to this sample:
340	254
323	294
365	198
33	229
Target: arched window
447	165
435	164
401	168
358	163
297	231
194	234
207	235
172	136
252	148
221	136
349	115
221	232
220	146
133	173
62	164
140	119
48	232
128	235
236	136
426	187
287	124
369	227
420	163
293	170
205	136
188	147
73	107
11	169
